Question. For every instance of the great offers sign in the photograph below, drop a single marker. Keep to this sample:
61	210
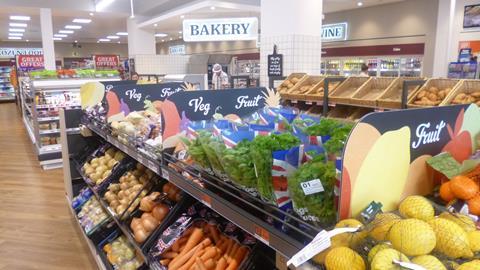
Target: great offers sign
220	29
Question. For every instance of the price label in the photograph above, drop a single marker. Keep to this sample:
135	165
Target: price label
165	174
294	101
410	266
309	102
181	155
262	234
312	187
332	104
379	110
141	159
207	200
319	244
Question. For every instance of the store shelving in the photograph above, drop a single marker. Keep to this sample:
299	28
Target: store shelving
7	92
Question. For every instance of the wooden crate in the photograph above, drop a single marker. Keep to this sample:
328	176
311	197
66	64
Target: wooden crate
347	89
316	94
392	97
370	91
294	77
467	87
297	93
439	84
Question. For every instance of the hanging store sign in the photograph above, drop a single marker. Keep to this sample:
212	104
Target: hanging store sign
177	49
30	62
12	52
275	64
334	32
220	29
106	61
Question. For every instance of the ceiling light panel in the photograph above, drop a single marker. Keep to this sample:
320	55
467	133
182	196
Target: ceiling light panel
15	34
104	39
122	34
113	37
57	38
19	18
60	35
16	30
73	26
17	24
102	4
65	31
161	35
81	21
15	38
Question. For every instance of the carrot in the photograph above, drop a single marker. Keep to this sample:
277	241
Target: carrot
220	242
239	256
232	252
181	248
200	264
191	262
214	232
223	247
219	254
221	264
210	252
178	243
169	255
165	262
183	258
193	240
232	266
209	264
229	247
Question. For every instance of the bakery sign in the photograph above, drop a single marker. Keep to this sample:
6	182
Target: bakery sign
220	29
30	62
12	52
334	32
106	61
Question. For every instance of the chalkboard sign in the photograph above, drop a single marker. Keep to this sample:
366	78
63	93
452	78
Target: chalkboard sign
275	64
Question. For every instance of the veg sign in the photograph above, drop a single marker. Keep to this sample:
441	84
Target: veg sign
106	61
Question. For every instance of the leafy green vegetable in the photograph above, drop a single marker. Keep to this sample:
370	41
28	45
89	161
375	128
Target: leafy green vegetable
239	165
213	145
326	127
337	141
196	151
318	207
261	153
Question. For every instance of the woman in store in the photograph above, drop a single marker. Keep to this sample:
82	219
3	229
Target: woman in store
219	78
364	72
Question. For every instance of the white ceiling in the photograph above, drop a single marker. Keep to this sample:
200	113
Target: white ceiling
146	11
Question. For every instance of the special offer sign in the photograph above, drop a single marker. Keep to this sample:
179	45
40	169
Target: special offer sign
30	62
106	61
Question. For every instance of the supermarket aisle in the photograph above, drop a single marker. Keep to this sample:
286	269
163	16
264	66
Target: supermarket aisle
36	228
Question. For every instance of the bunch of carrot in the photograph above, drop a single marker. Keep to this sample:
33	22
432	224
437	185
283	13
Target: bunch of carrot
204	248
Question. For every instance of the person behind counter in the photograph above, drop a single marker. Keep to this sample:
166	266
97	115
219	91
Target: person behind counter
219	78
364	72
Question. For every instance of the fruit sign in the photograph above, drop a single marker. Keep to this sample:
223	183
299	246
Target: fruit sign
30	62
106	61
386	153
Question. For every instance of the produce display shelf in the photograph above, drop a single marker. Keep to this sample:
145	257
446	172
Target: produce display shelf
53	106
231	206
29	129
93	249
49	131
47	149
48	119
7	98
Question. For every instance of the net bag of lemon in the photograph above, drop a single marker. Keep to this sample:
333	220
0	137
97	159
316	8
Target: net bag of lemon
418	235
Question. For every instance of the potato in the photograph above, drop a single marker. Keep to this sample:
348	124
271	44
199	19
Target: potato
290	85
89	170
124	186
95	176
106	174
101	169
432	97
433	89
111	163
114	204
295	80
140	167
421	94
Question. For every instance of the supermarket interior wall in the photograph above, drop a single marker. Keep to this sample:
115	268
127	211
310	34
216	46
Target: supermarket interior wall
212	47
411	21
460	34
66	49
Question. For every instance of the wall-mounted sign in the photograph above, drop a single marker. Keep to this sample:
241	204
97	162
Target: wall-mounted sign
220	29
177	49
334	32
30	62
12	52
106	61
464	55
275	64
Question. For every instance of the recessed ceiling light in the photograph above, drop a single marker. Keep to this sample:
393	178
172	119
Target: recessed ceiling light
180	32
113	37
360	4
212	8
16	34
17	24
155	24
118	42
57	38
76	41
122	34
73	27
16	38
81	20
171	38
182	16
91	13
19	18
28	40
104	39
16	30
161	35
163	40
60	35
180	37
65	31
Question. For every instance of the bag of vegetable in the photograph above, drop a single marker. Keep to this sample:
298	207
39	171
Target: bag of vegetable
320	133
196	151
194	127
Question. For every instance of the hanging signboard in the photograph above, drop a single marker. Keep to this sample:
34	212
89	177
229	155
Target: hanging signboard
275	64
334	32
464	55
220	29
106	61
177	49
12	52
386	153
30	62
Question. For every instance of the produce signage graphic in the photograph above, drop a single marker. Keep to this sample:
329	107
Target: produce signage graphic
30	62
220	29
386	153
334	32
106	61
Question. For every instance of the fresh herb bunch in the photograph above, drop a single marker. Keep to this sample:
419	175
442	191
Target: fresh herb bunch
320	205
337	142
239	165
196	151
211	145
326	127
261	153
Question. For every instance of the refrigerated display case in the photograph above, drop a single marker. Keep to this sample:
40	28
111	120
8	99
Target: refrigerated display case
462	70
411	66
332	67
249	68
353	66
7	91
389	67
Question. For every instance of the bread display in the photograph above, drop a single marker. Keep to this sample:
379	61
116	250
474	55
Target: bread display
432	96
467	98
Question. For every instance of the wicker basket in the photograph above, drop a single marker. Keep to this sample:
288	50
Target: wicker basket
292	77
347	89
316	94
370	91
392	97
340	112
466	87
440	84
296	92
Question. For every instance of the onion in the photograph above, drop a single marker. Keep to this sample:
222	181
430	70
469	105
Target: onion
166	187
160	211
124	186
154	195
171	194
140	235
146	204
149	223
136	222
178	197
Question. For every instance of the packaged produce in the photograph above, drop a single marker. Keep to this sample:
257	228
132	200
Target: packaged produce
122	255
83	196
91	215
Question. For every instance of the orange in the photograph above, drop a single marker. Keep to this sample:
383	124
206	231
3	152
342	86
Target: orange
446	192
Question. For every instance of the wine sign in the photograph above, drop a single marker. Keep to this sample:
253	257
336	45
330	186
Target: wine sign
385	156
275	64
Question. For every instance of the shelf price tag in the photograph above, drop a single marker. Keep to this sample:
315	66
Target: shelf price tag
152	166
294	101
332	104
165	174
309	102
262	234
207	200
319	244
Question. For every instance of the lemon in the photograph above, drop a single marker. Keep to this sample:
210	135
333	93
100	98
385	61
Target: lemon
349	239
384	260
452	240
343	258
416	207
462	220
91	94
429	262
413	237
474	239
382	223
375	250
473	265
